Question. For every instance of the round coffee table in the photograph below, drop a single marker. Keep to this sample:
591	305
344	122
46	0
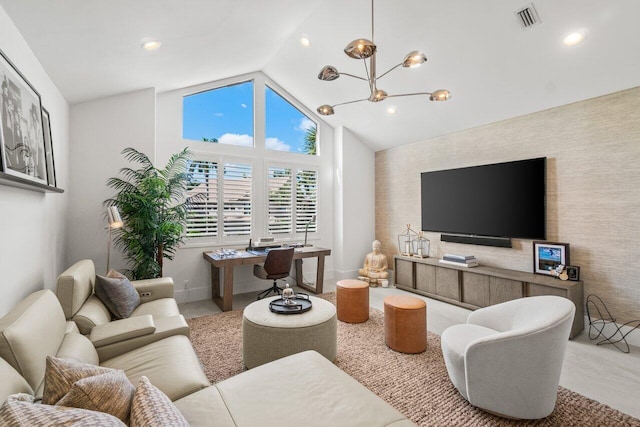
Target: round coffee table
268	336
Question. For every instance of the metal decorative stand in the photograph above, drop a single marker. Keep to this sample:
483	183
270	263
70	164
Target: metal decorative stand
601	318
300	303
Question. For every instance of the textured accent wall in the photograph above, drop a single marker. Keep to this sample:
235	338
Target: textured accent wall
593	189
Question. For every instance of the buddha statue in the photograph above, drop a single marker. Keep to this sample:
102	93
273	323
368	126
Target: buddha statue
375	266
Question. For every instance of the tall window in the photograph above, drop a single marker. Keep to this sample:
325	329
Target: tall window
226	201
237	199
280	204
202	219
306	200
286	127
221	116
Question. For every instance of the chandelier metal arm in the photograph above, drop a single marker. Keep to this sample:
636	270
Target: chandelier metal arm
351	75
350	102
388	71
409	94
369	77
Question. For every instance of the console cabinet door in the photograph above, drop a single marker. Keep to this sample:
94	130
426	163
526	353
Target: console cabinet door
475	289
404	273
502	290
426	278
447	283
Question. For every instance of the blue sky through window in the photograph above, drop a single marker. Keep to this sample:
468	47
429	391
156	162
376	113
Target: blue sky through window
286	126
226	115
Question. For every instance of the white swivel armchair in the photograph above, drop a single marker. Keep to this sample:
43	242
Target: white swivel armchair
508	357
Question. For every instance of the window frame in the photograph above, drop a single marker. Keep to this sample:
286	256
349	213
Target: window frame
260	158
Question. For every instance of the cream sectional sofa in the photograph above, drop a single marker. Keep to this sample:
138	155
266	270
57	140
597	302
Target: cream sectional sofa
303	389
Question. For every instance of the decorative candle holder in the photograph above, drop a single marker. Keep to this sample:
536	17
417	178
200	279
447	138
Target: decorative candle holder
421	246
405	241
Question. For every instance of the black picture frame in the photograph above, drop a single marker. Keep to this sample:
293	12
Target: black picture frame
573	273
48	148
22	146
548	255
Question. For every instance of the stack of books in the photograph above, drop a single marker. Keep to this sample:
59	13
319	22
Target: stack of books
460	260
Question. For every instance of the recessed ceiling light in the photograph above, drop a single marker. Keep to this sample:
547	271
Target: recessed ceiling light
573	38
392	110
151	45
304	41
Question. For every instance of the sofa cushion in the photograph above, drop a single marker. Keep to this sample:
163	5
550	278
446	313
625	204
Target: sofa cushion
92	313
20	411
170	364
119	295
205	407
62	373
78	347
12	382
329	396
110	392
151	407
31	331
75	286
163	307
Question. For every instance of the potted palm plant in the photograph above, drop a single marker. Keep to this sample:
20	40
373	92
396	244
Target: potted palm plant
154	206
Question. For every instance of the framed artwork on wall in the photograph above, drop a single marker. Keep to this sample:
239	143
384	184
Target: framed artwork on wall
548	255
48	148
22	145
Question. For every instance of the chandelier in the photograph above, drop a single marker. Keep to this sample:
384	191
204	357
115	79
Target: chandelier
366	49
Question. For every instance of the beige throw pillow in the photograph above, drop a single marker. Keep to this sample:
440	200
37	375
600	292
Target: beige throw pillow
60	374
20	411
111	393
151	408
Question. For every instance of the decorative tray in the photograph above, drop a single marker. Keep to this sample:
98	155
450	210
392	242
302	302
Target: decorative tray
301	303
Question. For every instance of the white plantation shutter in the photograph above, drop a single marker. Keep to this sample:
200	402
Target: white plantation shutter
202	218
280	201
237	195
306	200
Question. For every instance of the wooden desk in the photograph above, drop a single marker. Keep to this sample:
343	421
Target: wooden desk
245	258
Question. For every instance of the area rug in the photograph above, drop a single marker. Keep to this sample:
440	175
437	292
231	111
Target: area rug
416	385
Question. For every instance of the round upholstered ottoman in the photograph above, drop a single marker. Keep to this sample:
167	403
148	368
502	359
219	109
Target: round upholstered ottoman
352	301
268	336
405	324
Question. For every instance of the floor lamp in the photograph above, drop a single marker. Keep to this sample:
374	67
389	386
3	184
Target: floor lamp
115	221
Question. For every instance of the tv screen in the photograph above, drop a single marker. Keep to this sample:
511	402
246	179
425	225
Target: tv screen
498	200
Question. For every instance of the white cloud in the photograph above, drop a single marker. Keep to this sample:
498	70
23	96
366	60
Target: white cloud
305	124
276	144
218	114
235	139
243	105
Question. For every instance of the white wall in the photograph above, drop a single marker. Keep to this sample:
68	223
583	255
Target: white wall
100	130
354	210
33	226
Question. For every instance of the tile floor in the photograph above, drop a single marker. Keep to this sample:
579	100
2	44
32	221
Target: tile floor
598	372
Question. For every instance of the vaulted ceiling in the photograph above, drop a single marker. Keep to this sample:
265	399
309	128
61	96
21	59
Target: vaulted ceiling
494	69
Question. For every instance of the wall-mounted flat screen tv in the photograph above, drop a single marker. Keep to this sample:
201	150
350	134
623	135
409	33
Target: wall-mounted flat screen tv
502	200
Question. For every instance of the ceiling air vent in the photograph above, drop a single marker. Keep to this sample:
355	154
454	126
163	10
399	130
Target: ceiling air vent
527	16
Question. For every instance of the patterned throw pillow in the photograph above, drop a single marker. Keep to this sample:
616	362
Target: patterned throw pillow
119	295
60	374
20	411
111	393
151	407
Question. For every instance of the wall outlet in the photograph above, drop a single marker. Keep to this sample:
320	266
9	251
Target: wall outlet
145	294
186	284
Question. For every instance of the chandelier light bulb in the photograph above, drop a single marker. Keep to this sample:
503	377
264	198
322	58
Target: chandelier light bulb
440	95
378	95
360	49
325	110
414	59
328	73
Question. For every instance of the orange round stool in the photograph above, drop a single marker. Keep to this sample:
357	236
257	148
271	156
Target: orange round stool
405	324
352	301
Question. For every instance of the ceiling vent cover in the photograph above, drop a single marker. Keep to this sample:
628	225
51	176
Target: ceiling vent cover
527	16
